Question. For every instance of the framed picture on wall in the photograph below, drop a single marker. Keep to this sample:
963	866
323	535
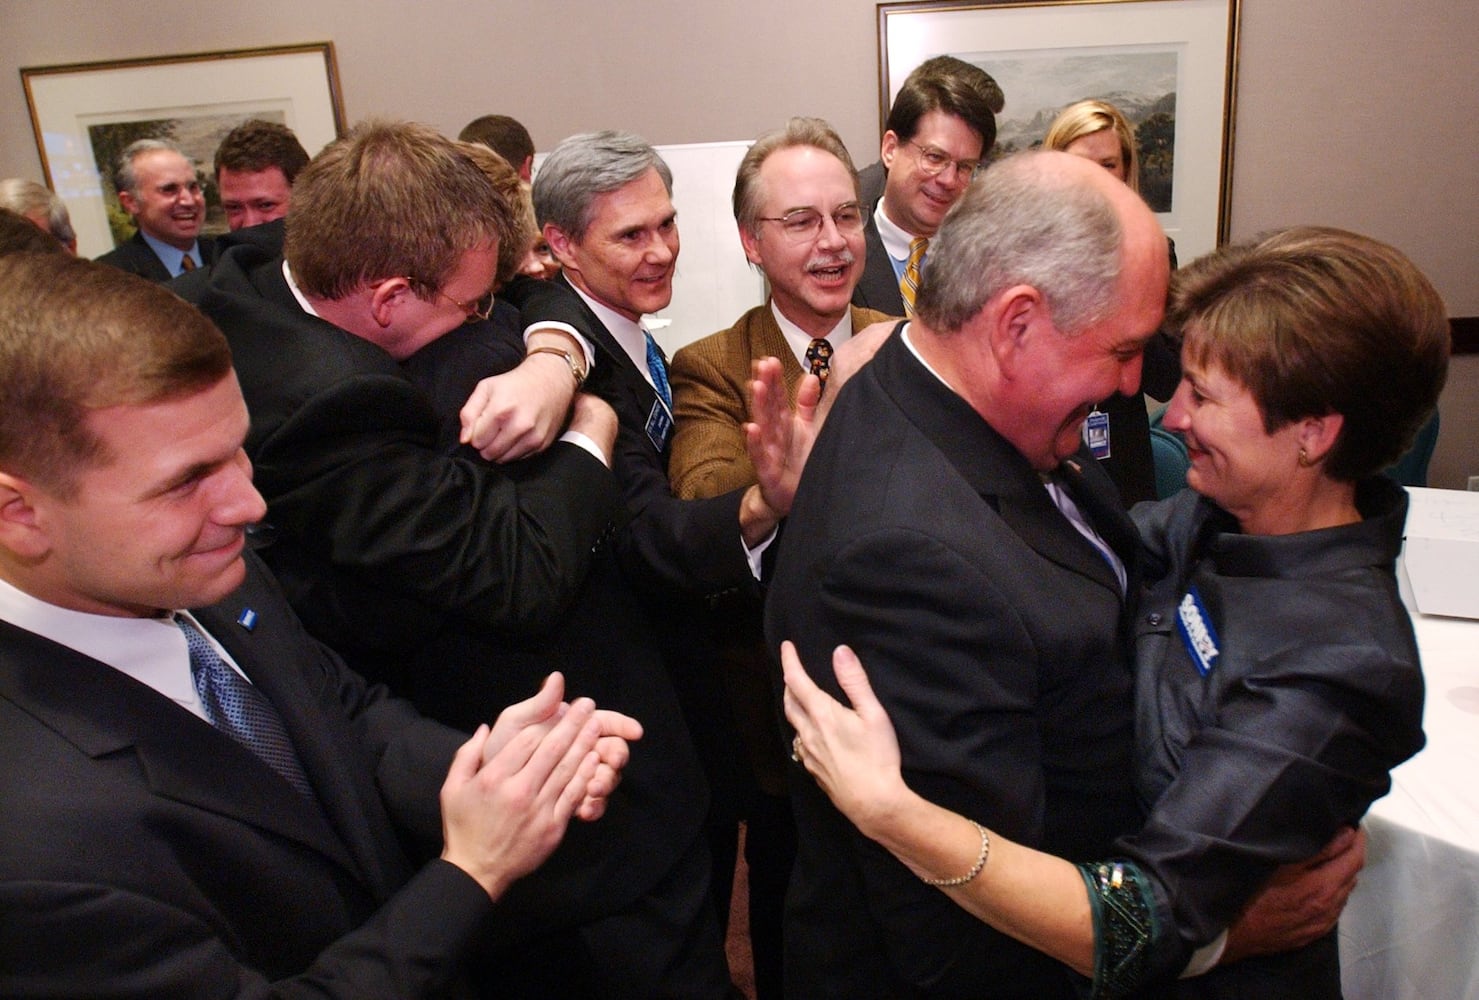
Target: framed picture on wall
85	114
1169	65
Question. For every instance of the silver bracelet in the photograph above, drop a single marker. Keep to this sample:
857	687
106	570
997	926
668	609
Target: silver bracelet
946	883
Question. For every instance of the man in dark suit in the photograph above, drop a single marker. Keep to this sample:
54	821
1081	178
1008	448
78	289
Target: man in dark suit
940	126
158	187
453	579
957	532
796	203
604	202
206	802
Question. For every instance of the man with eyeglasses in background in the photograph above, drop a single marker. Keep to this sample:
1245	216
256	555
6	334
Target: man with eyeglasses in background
800	222
940	127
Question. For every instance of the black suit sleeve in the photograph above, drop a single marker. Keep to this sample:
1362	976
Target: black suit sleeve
123	944
355	475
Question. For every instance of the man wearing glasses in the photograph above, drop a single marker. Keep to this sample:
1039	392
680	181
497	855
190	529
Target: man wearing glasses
941	125
796	203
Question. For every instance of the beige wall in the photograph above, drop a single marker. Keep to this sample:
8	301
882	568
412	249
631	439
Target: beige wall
1357	115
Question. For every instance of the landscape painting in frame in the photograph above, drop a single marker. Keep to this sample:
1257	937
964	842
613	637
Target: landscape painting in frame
1169	65
84	114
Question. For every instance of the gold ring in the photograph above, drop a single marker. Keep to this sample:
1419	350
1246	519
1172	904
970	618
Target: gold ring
796	748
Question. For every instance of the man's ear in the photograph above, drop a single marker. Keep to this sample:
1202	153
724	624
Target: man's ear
386	296
21	530
129	203
751	243
561	245
1014	320
888	149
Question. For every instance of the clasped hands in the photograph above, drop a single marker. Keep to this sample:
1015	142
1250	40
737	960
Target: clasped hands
514	787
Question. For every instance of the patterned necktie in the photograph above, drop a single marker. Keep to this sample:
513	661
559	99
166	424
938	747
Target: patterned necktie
910	282
658	370
187	263
234	706
819	360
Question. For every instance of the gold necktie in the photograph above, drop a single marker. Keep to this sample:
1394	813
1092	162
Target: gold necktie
186	264
910	282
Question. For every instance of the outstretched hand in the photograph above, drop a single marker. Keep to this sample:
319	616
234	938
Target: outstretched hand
778	438
852	752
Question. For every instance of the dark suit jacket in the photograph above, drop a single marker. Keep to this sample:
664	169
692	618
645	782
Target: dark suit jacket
147	854
677	553
137	257
878	288
677	546
996	637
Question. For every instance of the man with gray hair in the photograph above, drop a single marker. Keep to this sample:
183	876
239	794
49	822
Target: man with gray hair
604	201
41	206
158	186
961	540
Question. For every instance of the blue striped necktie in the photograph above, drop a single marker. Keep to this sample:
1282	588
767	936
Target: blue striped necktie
233	705
658	370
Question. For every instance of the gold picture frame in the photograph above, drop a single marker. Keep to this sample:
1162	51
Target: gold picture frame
1157	54
82	114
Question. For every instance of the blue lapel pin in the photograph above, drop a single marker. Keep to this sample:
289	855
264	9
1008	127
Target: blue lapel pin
247	619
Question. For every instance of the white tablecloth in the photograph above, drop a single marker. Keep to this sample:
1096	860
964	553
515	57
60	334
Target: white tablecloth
1411	930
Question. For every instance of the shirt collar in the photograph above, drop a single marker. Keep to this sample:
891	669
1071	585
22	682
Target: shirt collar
287	274
171	256
801	340
631	336
150	650
895	240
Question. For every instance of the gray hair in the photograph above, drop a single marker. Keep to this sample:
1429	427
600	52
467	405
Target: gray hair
1021	224
24	197
812	132
124	178
587	165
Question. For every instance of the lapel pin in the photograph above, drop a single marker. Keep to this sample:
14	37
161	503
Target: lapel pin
247	619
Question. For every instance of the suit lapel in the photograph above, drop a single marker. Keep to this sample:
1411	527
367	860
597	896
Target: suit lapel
878	288
769	342
616	378
104	712
270	653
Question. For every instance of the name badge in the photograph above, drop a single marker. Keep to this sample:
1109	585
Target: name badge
1096	434
1197	632
659	425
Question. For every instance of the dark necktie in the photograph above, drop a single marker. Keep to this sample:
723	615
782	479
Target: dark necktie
234	706
658	370
819	360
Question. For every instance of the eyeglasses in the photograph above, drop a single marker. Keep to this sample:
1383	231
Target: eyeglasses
478	309
802	225
934	161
